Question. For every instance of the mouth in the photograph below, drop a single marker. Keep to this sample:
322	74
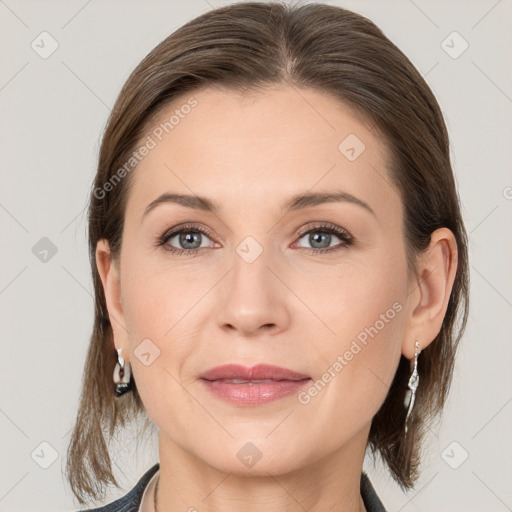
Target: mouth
248	387
258	373
242	381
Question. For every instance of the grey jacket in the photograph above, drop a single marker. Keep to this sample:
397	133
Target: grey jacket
130	502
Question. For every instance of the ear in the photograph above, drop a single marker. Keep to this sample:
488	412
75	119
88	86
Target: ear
430	291
110	278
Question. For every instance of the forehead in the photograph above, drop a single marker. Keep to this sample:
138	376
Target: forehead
259	148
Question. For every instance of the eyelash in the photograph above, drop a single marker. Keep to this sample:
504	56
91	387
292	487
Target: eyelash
324	228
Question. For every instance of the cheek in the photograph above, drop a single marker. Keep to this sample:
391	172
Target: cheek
365	309
164	314
156	306
157	296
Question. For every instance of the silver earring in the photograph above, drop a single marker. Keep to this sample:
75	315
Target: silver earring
122	375
413	384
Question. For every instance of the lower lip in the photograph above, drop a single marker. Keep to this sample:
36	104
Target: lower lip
252	395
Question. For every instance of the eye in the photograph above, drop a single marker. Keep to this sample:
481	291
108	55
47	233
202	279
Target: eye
187	239
320	238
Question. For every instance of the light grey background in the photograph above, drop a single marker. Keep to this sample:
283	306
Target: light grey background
53	112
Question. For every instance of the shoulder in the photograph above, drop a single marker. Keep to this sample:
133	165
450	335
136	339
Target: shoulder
371	500
130	502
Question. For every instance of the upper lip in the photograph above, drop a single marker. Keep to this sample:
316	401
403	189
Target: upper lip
258	372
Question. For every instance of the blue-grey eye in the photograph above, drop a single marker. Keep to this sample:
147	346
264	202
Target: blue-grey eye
188	240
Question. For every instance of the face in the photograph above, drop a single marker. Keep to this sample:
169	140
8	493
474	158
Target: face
314	286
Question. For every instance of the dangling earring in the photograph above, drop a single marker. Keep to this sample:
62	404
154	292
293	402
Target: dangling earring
413	384
122	375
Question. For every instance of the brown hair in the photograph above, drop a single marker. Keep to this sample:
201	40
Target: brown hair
241	47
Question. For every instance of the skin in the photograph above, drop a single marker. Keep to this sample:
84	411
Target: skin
250	153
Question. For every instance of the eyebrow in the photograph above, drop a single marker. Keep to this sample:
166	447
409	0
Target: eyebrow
297	202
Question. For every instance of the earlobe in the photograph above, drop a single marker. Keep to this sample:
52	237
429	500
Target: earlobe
109	275
437	268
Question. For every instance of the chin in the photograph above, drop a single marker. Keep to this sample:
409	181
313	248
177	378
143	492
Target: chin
254	457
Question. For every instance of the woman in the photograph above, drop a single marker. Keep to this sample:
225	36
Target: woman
279	262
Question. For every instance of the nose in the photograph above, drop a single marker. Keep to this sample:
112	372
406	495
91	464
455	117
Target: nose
253	298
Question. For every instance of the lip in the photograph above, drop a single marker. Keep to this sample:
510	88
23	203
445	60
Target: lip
283	383
258	372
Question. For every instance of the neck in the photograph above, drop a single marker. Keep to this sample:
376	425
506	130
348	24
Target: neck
188	483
